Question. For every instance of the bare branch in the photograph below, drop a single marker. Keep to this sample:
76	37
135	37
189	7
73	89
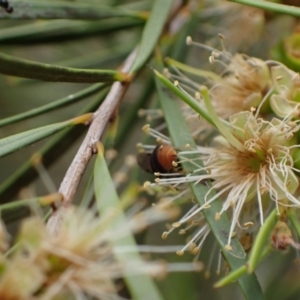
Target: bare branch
77	168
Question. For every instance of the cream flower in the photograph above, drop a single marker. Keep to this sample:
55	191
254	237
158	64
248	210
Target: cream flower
79	259
241	85
84	247
252	160
20	279
83	260
256	163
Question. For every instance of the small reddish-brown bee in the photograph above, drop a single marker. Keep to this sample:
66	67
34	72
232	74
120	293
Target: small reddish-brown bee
160	160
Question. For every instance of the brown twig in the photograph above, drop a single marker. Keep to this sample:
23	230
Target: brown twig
76	170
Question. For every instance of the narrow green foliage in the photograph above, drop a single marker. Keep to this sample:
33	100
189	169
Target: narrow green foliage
64	10
192	70
271	6
231	277
99	58
141	286
43	200
23	139
293	217
53	105
50	152
46	30
185	97
237	273
152	32
262	239
29	69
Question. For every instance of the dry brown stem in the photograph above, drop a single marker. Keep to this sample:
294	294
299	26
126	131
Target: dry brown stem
77	168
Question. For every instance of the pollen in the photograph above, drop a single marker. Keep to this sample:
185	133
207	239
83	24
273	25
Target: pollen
228	247
165	235
146	184
249	224
196	250
141	112
146	128
189	40
180	252
176	224
221	36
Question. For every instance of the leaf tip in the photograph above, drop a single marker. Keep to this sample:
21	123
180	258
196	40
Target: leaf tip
50	199
99	148
218	285
124	77
203	89
83	119
156	72
36	159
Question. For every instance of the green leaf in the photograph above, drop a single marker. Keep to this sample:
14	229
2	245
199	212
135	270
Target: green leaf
234	275
181	136
195	71
276	7
50	153
261	240
112	54
185	97
64	10
141	286
292	215
53	105
20	140
47	30
152	32
43	200
13	66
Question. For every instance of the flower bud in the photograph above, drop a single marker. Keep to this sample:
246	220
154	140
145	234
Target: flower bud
281	236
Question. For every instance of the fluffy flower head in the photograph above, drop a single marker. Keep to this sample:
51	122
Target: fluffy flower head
243	85
254	161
